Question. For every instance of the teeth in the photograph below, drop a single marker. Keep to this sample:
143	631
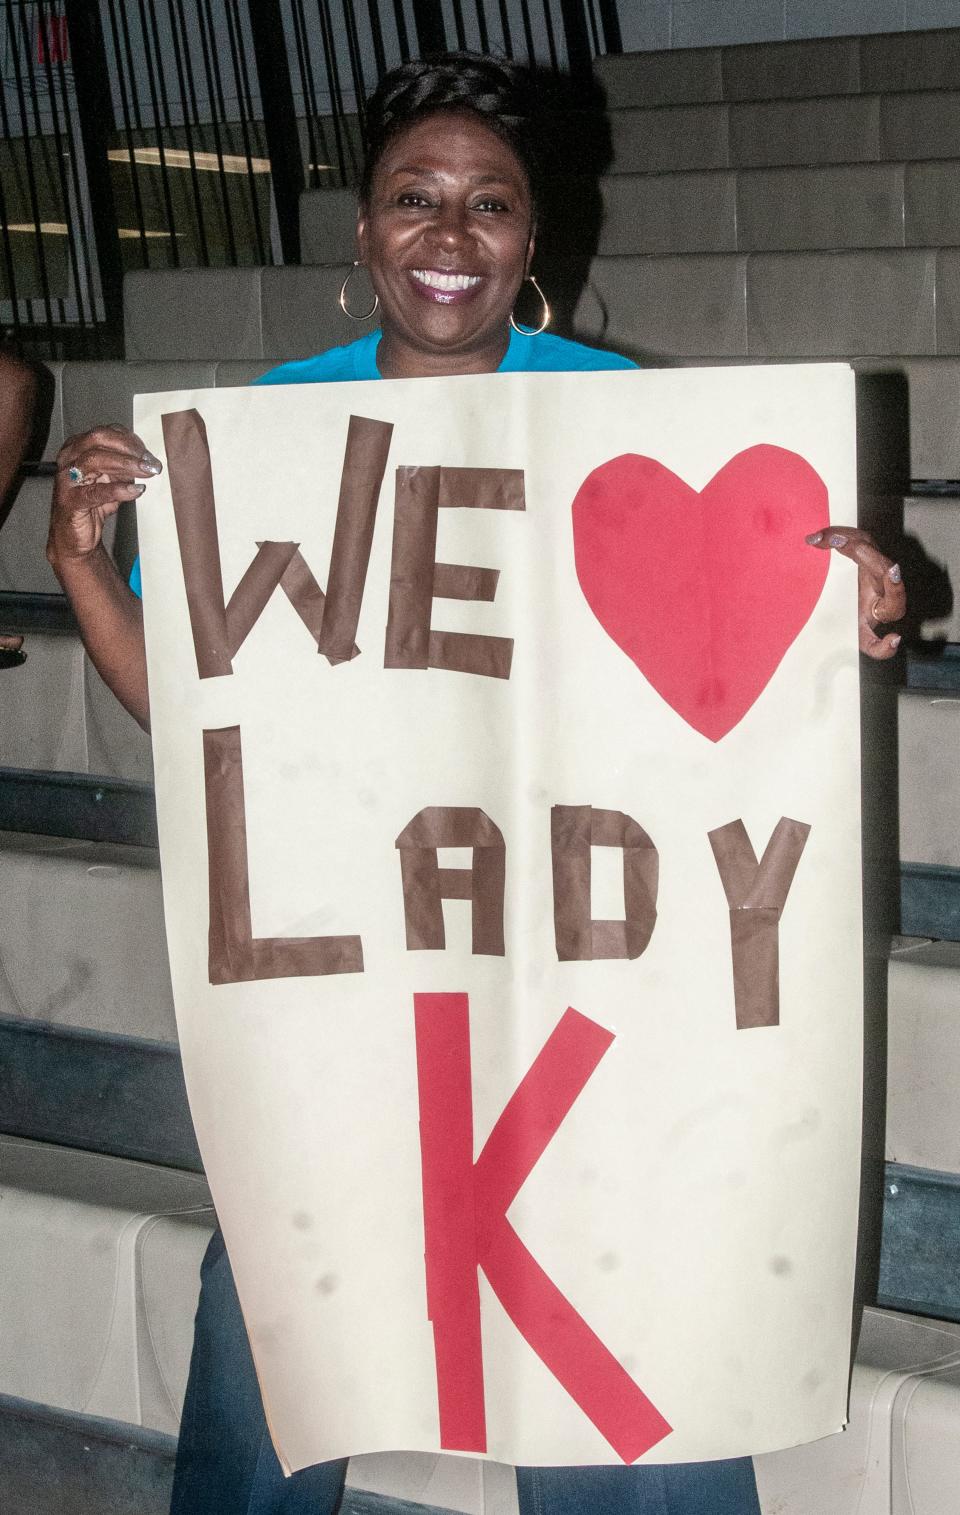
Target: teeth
446	282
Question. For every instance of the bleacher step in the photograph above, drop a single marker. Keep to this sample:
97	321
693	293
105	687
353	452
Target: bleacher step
851	65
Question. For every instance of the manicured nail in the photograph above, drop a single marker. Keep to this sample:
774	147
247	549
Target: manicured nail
138	488
837	540
814	538
150	462
895	641
894	574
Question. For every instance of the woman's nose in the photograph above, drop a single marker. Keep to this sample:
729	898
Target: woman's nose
450	227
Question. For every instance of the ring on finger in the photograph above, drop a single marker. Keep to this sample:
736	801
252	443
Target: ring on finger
75	474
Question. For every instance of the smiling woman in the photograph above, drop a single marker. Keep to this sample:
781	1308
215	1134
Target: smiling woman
446	231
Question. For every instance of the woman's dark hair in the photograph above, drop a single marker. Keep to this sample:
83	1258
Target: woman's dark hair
500	94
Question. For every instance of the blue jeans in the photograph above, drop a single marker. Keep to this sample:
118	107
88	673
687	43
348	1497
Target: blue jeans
226	1464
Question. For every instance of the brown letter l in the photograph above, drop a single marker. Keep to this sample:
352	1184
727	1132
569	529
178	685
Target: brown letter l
235	955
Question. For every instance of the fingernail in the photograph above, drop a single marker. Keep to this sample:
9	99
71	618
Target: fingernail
895	641
814	538
139	488
837	540
149	461
894	574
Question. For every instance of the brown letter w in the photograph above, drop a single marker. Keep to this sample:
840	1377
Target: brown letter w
220	628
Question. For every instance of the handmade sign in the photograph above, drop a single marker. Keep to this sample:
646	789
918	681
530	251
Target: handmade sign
506	746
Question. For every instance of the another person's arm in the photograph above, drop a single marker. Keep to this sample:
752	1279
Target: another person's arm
96	473
18	394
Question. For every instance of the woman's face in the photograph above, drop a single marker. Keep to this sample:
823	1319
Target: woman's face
447	237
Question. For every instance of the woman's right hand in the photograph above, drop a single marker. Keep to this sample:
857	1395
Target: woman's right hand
97	472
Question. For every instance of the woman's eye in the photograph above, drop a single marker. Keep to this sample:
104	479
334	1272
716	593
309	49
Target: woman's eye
412	197
488	203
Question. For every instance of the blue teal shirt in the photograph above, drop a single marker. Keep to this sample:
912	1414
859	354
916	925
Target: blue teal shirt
525	353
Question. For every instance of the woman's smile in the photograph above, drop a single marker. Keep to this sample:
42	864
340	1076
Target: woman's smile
444	288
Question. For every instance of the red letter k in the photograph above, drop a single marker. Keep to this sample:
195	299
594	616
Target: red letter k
465	1207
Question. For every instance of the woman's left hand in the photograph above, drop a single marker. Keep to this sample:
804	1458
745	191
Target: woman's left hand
882	596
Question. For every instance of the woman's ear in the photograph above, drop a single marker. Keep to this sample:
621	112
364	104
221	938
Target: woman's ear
531	248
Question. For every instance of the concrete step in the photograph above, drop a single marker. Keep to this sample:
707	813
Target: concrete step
98	911
774	133
783	70
88	392
724	210
100	1264
896	302
892	301
241	313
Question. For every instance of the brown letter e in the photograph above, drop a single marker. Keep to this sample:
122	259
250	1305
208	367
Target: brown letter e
235	955
416	578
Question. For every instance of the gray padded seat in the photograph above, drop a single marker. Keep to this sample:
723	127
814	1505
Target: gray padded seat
820	304
98	912
683	76
328	226
799	208
58	714
669	213
773	132
780	70
917	60
675	137
23	539
196	313
239	315
923	1055
101	393
666	307
301	311
929	740
776	305
100	1261
844	205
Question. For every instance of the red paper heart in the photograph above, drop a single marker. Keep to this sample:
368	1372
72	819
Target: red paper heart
704	592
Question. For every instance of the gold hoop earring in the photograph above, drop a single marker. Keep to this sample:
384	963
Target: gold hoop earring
545	322
343	297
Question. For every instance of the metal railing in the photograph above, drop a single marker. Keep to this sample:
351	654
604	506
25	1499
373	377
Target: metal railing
180	133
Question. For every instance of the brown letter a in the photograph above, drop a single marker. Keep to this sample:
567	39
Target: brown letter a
426	884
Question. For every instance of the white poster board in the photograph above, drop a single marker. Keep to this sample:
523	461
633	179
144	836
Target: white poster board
521	1145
